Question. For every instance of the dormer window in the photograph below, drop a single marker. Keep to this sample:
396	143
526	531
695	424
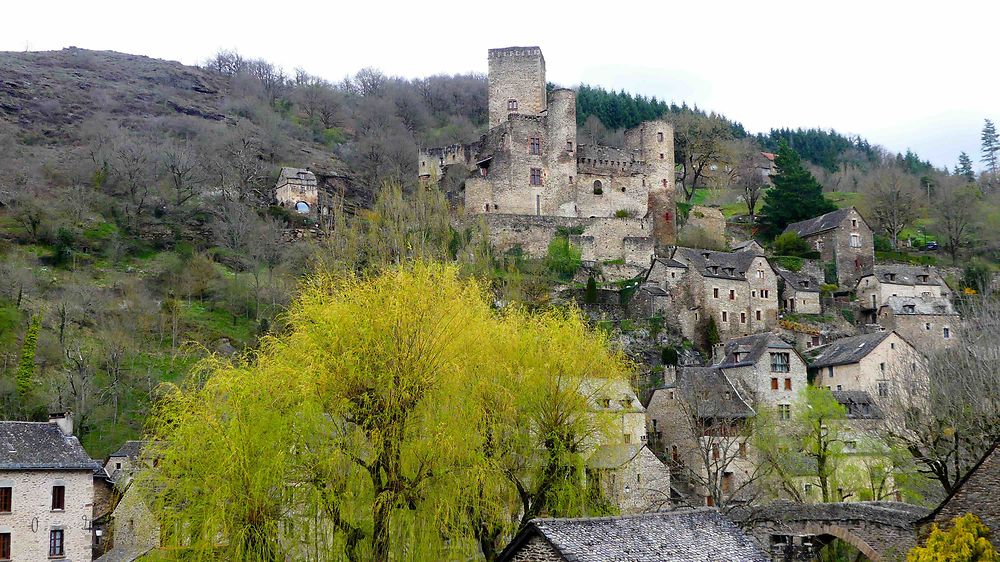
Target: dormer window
605	402
922	278
804	283
890	276
625	403
909	308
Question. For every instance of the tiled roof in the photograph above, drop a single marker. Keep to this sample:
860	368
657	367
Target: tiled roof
819	224
715	395
918	305
130	449
847	350
750	349
40	446
745	245
906	274
802	282
698	535
722	265
860	405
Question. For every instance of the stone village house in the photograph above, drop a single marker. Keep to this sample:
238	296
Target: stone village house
751	372
930	324
47	499
870	362
800	292
842	237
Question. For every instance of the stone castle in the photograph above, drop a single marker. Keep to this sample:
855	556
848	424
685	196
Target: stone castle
530	179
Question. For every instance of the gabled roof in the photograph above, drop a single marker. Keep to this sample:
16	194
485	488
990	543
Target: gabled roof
911	275
821	223
940	306
698	535
41	446
859	403
746	245
750	349
846	350
130	449
801	282
720	265
714	394
615	391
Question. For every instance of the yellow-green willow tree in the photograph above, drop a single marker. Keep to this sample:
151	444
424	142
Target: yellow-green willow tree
400	417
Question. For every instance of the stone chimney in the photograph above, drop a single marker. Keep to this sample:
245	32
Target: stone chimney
718	353
64	420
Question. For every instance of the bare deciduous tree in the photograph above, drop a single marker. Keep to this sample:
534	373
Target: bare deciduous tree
699	145
894	201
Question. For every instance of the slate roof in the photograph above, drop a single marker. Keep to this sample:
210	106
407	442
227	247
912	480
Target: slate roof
859	403
916	305
847	350
748	244
721	265
906	274
130	449
616	392
801	282
698	535
716	394
41	446
750	349
819	224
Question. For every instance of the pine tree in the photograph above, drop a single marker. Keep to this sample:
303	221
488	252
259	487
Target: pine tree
26	367
991	149
964	168
796	194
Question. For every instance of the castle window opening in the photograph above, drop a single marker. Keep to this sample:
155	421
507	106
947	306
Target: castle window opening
598	187
536	176
511	105
302	207
569	146
571	179
664	182
661	156
536	145
659	137
623	189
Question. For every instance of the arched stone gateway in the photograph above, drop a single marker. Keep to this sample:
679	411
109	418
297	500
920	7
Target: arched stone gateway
796	532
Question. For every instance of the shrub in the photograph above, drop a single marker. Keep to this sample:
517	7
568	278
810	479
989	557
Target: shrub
623	214
790	244
668	356
882	244
655	326
791	263
563	259
848	314
827	289
977	276
590	295
966	540
830	273
711	332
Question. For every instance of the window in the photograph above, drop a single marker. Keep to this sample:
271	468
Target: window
774	383
947	332
511	105
760	274
628	438
927	326
725	316
883	389
758	315
881	367
4	546
715	451
840	387
753	293
855	240
765	293
715	292
788	384
779	363
670	395
536	176
659	137
854	223
673	453
58	498
743	318
732	295
815	341
5	499
605	402
571	179
892	345
743	450
784	412
598	187
56	548
664	182
727	482
829	371
569	146
661	156
535	146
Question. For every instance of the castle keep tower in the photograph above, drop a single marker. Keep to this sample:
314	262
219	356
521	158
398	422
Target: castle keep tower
517	82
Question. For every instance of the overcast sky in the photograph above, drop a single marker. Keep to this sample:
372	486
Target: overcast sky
904	74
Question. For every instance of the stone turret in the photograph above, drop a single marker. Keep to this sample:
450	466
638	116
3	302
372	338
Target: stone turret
655	142
517	82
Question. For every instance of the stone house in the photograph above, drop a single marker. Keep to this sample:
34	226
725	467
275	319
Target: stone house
311	193
975	493
696	535
842	237
869	362
530	180
751	246
123	464
771	369
135	530
893	280
628	473
930	324
800	293
739	290
46	492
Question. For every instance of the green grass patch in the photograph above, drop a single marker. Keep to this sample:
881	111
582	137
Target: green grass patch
807	318
791	263
844	199
904	257
209	324
10	325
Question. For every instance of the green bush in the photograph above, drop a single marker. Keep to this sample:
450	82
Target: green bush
882	244
563	259
830	273
711	332
334	136
655	326
623	214
848	314
977	276
790	244
668	356
791	263
903	257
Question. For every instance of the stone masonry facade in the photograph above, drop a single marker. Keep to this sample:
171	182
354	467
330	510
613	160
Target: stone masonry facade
32	518
529	164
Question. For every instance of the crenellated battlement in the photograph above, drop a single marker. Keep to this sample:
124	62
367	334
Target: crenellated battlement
516	52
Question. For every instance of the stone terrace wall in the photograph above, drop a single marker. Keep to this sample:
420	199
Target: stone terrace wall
603	239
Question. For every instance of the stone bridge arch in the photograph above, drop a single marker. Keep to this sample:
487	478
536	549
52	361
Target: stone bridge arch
796	532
